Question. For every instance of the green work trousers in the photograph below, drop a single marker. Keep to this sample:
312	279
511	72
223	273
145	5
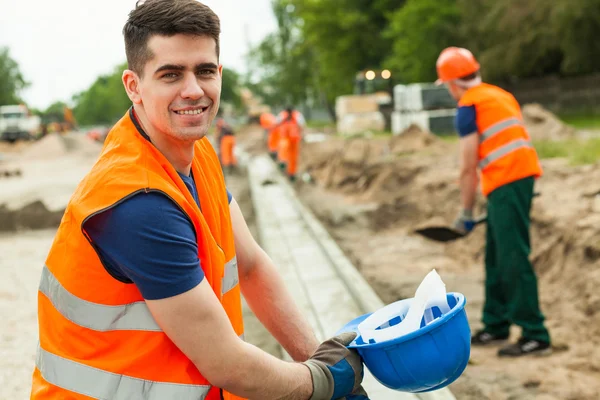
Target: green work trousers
511	293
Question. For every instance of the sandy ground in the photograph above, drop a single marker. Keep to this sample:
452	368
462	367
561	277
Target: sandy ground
22	257
372	193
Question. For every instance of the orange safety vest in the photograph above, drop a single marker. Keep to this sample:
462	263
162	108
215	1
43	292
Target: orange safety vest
97	338
290	128
506	153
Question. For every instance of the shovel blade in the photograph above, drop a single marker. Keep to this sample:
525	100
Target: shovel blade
440	233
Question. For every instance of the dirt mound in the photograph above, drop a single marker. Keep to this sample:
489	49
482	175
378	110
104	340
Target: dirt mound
34	215
52	145
543	125
412	139
55	145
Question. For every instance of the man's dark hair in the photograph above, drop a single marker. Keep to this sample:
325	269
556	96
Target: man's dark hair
165	18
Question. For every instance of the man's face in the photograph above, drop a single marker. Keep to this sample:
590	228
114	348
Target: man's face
181	85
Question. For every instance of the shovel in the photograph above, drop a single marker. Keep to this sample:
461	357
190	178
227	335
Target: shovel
448	234
445	233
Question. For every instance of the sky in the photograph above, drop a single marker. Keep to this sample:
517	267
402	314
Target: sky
62	46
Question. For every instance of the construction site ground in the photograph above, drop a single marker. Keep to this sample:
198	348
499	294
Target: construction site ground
371	193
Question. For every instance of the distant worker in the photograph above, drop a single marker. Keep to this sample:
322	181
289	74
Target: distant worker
290	124
226	140
494	139
269	123
140	295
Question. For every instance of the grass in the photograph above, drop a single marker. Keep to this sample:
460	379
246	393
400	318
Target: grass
581	119
577	151
320	124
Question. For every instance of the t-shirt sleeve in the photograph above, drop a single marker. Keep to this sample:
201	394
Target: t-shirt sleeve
151	242
466	122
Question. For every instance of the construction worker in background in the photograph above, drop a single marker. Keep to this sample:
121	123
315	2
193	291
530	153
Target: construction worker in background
140	293
226	140
494	140
269	123
290	124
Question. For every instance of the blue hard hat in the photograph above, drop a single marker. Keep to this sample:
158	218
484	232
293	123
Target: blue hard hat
427	359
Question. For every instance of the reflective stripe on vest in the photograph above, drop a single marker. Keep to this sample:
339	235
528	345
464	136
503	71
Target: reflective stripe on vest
99	384
99	317
499	127
504	150
230	276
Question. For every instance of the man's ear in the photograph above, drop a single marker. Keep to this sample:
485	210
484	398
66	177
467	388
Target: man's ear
131	83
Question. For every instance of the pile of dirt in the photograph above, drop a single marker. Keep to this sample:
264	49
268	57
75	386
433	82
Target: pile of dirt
543	125
34	215
412	139
55	145
390	172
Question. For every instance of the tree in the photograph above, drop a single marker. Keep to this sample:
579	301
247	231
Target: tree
11	79
55	112
282	62
230	88
419	31
319	48
345	36
104	102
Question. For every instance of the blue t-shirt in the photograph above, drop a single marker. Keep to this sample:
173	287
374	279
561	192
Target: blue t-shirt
149	241
465	121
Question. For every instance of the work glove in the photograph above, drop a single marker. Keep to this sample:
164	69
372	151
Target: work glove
336	370
464	222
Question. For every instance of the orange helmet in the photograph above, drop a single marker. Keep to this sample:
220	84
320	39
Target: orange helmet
455	63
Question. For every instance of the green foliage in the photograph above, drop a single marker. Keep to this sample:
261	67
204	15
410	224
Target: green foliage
584	119
420	30
230	88
11	79
319	48
104	102
321	45
577	151
283	61
55	112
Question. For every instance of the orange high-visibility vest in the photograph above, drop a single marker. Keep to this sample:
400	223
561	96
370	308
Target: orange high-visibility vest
290	128
97	337
505	150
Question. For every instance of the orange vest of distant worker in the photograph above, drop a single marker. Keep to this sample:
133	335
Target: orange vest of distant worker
289	126
505	150
98	339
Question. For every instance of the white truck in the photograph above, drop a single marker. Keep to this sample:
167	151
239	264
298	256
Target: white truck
17	123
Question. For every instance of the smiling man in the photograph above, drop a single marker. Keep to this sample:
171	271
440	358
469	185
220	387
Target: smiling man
140	297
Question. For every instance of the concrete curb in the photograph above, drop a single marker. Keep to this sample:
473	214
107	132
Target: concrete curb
360	291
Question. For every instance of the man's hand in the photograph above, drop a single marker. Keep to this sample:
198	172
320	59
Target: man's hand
337	371
464	222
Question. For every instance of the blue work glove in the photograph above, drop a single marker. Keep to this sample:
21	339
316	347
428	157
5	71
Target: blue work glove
464	222
336	370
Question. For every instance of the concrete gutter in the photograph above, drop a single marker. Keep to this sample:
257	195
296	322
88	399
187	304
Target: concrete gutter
286	225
